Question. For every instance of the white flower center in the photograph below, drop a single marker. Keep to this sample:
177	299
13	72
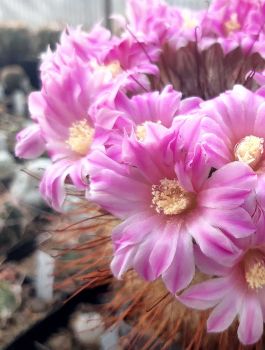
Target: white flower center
112	69
255	275
249	150
80	137
189	22
170	198
232	24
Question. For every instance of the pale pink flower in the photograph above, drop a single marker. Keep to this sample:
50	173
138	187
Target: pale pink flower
131	114
236	292
63	127
163	194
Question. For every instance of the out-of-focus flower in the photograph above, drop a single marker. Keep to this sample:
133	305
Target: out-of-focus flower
233	24
152	21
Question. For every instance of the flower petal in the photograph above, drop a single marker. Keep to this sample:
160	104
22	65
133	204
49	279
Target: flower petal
236	222
30	143
164	249
212	241
206	294
141	262
207	265
250	320
182	268
52	183
122	261
235	175
223	315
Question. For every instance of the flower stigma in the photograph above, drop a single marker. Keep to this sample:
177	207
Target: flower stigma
232	24
249	150
169	198
80	137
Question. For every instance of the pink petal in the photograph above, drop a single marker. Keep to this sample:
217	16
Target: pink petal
223	197
259	121
52	183
189	104
206	294
127	233
106	187
152	106
182	268
250	320
122	261
79	174
235	175
30	143
207	265
199	167
164	249
148	160
223	315
141	262
212	241
236	222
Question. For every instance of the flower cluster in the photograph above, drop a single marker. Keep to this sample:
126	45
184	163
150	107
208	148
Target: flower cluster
163	127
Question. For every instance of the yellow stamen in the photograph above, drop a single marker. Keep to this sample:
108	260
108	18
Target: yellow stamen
249	150
255	275
170	198
80	137
140	132
232	24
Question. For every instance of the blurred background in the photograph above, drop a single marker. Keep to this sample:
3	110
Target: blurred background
86	12
28	302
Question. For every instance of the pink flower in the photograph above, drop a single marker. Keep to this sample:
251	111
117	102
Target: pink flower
235	129
190	28
238	291
77	79
234	24
135	61
60	110
152	21
162	193
116	62
131	114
